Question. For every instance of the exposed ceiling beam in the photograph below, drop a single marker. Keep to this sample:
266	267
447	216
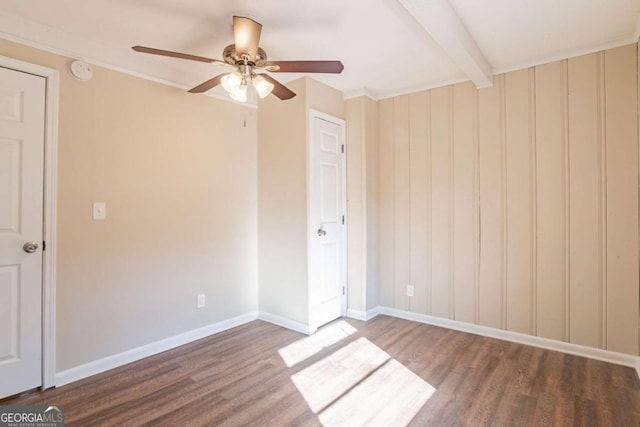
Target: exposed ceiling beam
444	26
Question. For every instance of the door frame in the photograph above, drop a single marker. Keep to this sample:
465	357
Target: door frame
313	114
52	78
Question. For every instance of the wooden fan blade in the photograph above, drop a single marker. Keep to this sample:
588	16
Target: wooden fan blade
279	90
246	33
208	84
335	67
153	51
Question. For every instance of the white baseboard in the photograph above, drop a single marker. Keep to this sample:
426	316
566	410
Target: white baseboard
363	315
116	360
285	323
357	314
549	344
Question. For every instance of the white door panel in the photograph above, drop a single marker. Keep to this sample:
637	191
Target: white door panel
329	202
330	273
22	109
9	184
9	312
327	263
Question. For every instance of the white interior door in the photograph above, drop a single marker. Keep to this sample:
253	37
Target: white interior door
327	249
22	127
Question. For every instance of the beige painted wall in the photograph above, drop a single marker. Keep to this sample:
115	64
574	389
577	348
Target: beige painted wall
282	196
324	99
362	203
282	205
372	201
516	206
178	174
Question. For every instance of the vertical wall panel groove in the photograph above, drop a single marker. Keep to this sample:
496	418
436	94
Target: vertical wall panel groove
429	210
602	192
452	206
567	208
392	143
409	209
505	231
476	209
534	202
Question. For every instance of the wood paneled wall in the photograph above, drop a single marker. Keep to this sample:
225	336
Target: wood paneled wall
516	206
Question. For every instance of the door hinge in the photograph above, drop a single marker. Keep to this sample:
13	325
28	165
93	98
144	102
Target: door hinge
343	290
44	245
342	148
342	219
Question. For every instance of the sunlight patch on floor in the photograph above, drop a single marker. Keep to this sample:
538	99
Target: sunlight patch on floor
358	384
306	347
391	396
325	381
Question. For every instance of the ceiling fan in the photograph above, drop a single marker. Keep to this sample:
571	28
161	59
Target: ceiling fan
247	57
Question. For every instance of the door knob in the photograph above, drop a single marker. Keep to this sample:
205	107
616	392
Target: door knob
321	232
30	247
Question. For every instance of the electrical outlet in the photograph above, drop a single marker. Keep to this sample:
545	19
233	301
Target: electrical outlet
409	290
202	301
99	211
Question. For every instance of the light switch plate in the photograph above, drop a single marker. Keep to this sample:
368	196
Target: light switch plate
201	301
99	211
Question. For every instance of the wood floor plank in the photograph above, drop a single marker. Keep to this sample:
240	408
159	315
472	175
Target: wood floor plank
238	378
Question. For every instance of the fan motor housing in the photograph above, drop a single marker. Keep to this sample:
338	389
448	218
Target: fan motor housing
231	57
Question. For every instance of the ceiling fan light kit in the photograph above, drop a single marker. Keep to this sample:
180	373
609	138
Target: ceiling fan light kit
236	85
263	87
239	94
247	58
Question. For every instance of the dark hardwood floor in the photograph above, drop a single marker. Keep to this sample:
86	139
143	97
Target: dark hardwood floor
383	372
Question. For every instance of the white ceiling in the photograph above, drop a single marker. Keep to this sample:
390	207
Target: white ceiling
385	50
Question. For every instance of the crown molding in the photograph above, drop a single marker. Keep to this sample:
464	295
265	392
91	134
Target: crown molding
419	88
567	54
520	66
363	91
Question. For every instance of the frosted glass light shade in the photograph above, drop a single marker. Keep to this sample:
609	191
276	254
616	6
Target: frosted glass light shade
231	81
263	87
239	94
